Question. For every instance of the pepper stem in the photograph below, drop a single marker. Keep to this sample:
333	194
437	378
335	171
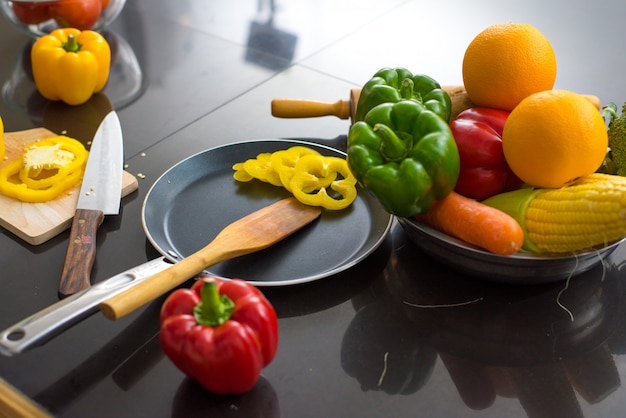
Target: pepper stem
395	146
406	88
214	309
71	45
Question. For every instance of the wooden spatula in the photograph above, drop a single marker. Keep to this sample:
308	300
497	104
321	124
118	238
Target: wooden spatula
252	233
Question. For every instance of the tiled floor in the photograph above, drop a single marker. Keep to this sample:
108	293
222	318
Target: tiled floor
205	72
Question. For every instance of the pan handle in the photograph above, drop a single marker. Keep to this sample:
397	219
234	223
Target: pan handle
46	324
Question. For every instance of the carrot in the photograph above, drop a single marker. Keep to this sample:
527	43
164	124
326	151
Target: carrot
475	223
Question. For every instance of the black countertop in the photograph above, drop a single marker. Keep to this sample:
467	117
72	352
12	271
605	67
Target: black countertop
387	337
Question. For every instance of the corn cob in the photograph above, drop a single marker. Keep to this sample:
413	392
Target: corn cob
588	213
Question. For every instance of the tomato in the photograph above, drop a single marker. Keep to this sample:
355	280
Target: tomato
105	4
31	13
79	14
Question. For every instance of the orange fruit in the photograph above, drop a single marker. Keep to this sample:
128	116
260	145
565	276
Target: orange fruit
506	63
553	137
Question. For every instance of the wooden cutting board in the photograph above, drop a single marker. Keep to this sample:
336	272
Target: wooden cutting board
36	223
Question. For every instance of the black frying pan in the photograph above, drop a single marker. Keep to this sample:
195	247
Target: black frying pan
196	198
187	207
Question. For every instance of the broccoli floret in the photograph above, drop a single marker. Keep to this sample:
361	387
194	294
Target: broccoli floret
617	141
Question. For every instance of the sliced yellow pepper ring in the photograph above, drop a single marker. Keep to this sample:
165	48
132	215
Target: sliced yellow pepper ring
312	178
21	191
284	163
42	174
241	174
261	168
308	184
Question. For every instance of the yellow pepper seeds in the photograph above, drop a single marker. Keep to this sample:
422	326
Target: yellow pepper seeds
312	178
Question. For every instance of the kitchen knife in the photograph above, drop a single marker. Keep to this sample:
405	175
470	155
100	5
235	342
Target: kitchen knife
100	194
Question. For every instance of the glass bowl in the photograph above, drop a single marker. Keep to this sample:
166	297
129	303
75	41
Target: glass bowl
40	17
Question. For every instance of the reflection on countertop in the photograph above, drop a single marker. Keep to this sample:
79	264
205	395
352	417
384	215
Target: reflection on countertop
126	84
544	345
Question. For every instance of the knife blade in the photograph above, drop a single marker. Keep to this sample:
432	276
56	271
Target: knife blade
100	195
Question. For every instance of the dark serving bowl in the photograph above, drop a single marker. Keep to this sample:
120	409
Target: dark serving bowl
520	268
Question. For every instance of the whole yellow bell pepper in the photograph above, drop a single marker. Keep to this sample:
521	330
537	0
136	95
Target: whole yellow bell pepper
70	65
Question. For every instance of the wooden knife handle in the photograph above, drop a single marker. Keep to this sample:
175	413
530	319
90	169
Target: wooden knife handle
301	108
81	251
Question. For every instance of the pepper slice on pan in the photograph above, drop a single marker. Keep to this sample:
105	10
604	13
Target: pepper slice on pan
241	174
310	184
284	162
260	168
312	178
275	168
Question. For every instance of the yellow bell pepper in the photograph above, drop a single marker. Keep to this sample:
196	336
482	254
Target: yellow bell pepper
70	65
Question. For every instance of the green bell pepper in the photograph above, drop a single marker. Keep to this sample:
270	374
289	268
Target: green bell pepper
405	155
390	85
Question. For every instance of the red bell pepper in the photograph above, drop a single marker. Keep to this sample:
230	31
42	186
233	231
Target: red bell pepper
220	333
484	171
